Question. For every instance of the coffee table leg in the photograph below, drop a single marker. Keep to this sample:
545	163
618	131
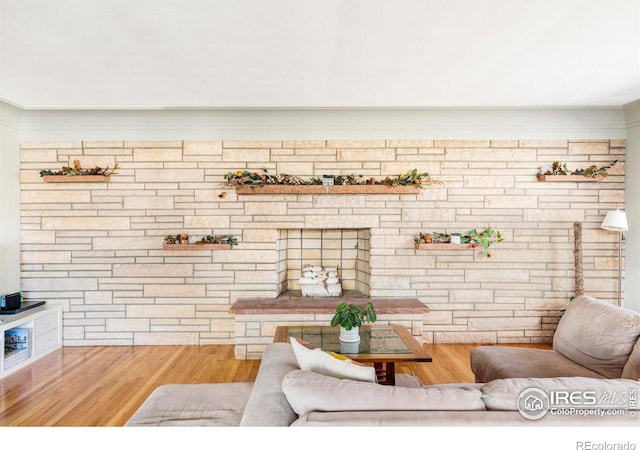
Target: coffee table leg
386	372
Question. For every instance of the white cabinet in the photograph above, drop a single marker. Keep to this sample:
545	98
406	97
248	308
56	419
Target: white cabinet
28	336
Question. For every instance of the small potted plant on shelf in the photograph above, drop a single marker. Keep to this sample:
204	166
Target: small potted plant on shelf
350	317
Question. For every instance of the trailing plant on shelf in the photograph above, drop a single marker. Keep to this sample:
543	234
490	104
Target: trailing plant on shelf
350	315
484	238
76	170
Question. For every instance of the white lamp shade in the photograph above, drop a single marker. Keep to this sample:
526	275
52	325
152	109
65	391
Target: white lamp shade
615	221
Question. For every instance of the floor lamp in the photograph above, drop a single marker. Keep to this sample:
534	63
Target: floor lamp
617	221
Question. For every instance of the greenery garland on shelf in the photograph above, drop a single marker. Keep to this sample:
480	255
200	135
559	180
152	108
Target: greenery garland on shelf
251	178
593	171
76	170
209	239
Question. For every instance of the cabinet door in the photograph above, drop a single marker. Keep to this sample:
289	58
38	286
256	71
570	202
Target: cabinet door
45	342
46	333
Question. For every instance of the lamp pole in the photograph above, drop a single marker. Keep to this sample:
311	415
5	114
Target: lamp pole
619	268
617	221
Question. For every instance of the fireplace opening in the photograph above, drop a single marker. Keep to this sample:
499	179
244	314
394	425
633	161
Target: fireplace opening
348	250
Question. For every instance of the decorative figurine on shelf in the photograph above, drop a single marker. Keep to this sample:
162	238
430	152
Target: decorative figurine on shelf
183	238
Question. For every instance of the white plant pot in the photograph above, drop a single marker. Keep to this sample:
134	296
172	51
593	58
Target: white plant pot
352	335
349	347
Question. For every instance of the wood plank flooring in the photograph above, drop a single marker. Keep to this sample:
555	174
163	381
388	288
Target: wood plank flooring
103	386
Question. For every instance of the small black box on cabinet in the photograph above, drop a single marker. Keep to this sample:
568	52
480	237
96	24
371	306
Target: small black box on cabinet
10	302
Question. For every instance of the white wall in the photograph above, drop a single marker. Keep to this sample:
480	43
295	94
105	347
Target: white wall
9	199
632	245
309	124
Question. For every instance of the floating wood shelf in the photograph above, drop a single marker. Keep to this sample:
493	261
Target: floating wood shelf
445	246
569	178
193	247
325	189
326	305
76	178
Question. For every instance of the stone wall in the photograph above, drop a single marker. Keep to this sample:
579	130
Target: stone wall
97	248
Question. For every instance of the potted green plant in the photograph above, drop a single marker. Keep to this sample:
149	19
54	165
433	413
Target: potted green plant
350	317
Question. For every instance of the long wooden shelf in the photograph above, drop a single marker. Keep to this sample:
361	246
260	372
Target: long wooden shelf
326	189
569	178
445	246
194	247
76	178
326	305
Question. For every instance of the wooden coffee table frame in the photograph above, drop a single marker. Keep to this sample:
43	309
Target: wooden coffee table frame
384	363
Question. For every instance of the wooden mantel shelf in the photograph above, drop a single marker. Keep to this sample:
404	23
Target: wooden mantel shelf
76	178
569	178
325	189
307	305
196	247
445	246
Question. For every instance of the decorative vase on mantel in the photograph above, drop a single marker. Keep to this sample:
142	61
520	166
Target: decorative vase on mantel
352	335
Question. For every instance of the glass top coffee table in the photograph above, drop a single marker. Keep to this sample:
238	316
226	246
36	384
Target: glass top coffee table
382	345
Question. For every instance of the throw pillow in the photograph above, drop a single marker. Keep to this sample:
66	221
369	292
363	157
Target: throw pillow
309	391
332	364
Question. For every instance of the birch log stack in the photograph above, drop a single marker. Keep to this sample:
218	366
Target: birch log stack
577	255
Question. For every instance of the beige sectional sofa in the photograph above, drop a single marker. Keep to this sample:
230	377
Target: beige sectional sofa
593	339
284	395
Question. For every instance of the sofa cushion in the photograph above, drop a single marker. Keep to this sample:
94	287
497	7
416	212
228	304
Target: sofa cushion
631	369
309	391
193	405
267	406
502	395
597	335
317	360
494	362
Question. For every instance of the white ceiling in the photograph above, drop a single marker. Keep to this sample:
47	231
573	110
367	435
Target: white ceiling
319	53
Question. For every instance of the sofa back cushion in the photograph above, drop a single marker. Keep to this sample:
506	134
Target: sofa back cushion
503	394
309	391
597	335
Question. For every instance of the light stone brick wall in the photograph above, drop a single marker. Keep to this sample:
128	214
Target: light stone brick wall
96	248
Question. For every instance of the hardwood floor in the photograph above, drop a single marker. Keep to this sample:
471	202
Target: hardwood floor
103	386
